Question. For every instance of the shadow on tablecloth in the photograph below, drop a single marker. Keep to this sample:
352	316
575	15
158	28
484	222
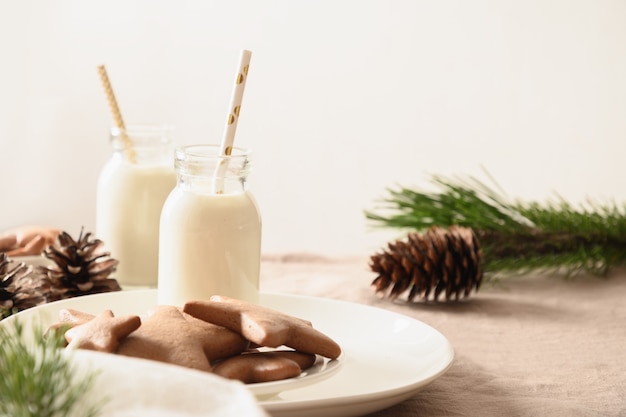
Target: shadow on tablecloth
467	390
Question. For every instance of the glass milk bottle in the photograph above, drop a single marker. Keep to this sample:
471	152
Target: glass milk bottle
210	242
131	192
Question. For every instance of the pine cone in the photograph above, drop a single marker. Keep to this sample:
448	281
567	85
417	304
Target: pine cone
430	264
16	291
81	267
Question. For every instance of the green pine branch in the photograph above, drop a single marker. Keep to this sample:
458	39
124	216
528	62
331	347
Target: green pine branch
37	379
514	236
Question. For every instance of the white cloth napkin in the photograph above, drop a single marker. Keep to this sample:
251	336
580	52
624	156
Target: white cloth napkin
143	388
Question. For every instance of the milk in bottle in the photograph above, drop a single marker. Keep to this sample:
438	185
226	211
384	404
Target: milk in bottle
210	233
130	197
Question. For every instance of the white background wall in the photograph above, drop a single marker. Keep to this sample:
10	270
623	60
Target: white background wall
343	99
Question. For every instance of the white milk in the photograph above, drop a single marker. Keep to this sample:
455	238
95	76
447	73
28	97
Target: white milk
210	240
213	246
129	200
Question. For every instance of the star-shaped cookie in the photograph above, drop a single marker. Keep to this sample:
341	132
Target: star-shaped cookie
263	326
169	335
68	318
74	317
102	333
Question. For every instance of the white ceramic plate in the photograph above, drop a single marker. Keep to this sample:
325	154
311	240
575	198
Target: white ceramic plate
387	357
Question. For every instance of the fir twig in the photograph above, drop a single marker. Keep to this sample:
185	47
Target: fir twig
37	379
514	236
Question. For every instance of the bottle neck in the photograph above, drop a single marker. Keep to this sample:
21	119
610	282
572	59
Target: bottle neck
201	168
143	145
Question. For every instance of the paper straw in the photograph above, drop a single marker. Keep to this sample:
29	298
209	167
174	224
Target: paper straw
228	138
117	115
235	102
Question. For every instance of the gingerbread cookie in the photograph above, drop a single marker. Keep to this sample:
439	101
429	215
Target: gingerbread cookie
68	318
254	367
209	335
169	335
33	247
74	317
102	333
27	240
263	326
7	242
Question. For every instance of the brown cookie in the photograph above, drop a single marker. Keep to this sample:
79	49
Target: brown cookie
169	335
8	242
74	317
102	333
254	367
68	318
33	247
28	240
263	326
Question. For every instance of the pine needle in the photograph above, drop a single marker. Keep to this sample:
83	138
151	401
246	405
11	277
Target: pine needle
37	379
514	236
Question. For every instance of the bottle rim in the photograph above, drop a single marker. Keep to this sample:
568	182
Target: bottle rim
209	152
144	136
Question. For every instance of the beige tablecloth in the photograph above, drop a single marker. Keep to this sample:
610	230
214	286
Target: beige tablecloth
529	346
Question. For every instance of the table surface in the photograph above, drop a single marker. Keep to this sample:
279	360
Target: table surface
532	345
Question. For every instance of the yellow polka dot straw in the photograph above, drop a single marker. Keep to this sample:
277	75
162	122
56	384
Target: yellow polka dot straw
117	115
